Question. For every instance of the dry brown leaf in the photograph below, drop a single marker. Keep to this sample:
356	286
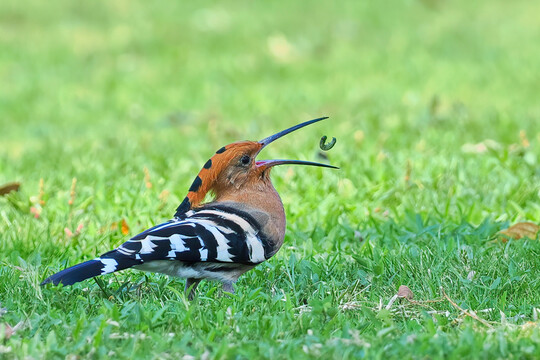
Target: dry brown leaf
405	292
105	229
124	227
520	230
9	187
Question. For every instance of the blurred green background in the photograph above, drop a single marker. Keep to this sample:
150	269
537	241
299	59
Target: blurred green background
120	67
434	104
162	85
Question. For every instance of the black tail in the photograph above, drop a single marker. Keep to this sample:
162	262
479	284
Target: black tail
106	264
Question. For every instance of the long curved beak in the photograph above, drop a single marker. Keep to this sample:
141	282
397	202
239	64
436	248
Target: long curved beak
269	163
264	142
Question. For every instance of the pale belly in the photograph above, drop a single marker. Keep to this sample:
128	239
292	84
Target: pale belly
224	272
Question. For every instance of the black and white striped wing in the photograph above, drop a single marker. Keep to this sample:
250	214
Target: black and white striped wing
211	234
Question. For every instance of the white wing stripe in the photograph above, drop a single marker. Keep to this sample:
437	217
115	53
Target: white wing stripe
222	246
109	265
257	249
122	250
204	254
177	243
147	246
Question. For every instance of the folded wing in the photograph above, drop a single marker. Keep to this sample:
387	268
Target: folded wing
215	234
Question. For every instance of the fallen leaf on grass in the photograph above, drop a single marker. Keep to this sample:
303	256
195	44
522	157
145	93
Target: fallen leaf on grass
9	187
124	227
122	224
405	292
520	230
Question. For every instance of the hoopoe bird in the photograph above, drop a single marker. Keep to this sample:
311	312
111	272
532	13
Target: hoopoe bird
220	240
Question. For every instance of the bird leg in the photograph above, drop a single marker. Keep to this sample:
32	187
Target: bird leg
228	287
191	285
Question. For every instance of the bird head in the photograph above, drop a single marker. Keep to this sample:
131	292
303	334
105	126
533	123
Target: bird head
235	165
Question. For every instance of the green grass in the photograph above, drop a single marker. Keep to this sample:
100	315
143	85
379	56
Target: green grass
101	91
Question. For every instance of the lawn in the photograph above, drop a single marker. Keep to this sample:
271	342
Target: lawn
109	109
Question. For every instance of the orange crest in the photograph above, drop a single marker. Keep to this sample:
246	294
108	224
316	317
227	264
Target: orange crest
206	180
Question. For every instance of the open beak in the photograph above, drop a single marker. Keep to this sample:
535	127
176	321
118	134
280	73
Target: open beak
264	142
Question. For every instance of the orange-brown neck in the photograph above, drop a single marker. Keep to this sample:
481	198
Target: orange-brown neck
260	197
259	194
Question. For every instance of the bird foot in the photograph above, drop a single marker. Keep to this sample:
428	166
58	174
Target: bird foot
228	287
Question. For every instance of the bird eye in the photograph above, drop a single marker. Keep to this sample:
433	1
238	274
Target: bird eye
245	160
